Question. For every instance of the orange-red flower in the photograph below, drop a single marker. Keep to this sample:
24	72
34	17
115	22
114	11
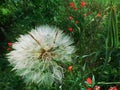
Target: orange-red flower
76	22
75	8
9	44
89	12
98	15
96	87
70	29
84	15
71	4
70	17
82	4
8	49
70	68
88	80
88	88
113	88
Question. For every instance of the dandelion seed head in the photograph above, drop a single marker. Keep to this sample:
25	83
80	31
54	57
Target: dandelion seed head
37	56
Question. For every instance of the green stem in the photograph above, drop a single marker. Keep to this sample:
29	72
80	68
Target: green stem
108	83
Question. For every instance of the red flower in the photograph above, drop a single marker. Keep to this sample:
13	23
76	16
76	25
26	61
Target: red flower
70	29
89	12
98	15
89	89
71	4
8	49
75	8
9	44
96	87
88	80
84	15
76	22
82	4
70	68
113	88
70	17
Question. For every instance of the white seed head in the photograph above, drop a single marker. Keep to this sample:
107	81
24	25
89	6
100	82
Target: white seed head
38	55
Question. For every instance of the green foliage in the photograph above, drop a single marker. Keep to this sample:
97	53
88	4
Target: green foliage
96	38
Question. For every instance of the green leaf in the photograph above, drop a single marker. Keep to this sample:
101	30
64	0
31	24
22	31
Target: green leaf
4	11
84	67
80	84
82	89
93	81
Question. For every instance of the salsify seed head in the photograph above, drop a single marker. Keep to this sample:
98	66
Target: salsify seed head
38	55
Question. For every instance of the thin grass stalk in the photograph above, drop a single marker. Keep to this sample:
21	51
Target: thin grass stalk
106	83
112	37
115	26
